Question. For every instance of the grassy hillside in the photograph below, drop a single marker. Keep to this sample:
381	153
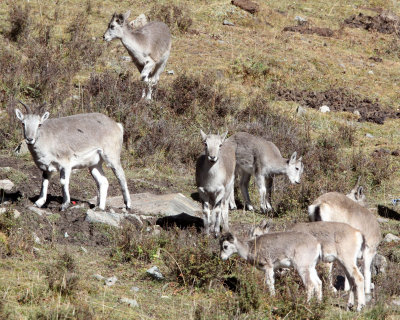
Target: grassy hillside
248	77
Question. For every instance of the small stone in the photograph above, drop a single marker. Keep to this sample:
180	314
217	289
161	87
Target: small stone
39	211
342	65
98	277
324	109
301	111
6	185
110	281
36	238
391	238
75	97
382	220
131	302
165	297
170	72
357	113
135	289
370	72
112	219
17	214
5	169
83	249
300	20
228	23
396	301
66	235
21	149
155	273
36	250
368	135
126	58
221	41
94	38
379	264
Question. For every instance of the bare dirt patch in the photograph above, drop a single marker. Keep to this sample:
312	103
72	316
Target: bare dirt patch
306	28
246	5
385	22
339	100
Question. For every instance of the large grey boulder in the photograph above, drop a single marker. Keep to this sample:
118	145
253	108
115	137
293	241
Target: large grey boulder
151	204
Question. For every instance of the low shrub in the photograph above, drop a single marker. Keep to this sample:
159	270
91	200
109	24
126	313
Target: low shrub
176	17
63	275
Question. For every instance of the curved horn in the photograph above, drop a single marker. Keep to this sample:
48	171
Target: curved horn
26	107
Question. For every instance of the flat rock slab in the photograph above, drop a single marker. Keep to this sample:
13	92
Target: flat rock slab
151	204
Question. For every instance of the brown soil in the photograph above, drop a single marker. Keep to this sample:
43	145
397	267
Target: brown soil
384	22
339	100
246	5
305	28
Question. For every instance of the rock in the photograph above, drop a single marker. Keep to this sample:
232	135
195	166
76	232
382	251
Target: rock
324	109
391	238
396	301
221	41
155	273
379	264
301	111
395	153
21	149
228	23
110	281
17	214
368	135
171	72
139	22
6	185
300	20
135	289
357	113
111	219
126	58
75	97
151	204
40	211
131	302
382	220
83	249
36	238
246	5
66	235
98	277
370	72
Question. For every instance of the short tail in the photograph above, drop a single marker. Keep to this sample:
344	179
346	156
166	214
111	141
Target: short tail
314	212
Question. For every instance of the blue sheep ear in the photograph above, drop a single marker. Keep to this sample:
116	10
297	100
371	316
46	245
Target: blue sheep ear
203	135
19	114
223	136
127	14
44	117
